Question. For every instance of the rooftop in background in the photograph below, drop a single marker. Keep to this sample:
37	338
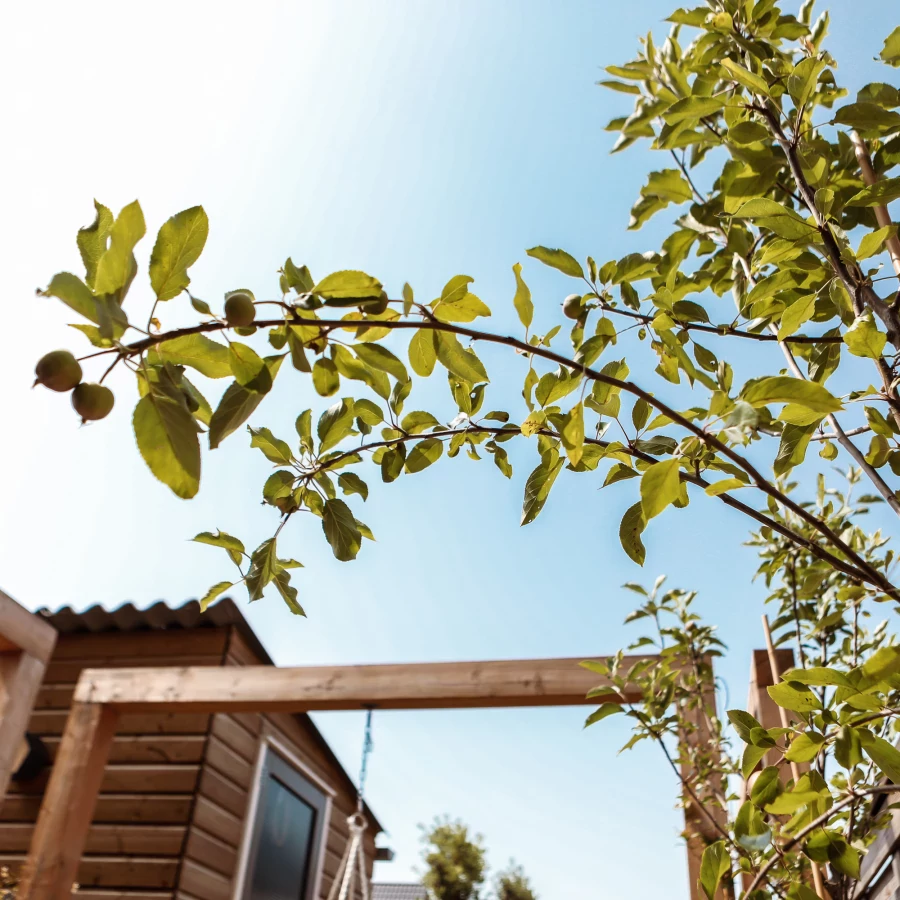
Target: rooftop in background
397	891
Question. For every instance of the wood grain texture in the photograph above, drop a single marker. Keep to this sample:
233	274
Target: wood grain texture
535	682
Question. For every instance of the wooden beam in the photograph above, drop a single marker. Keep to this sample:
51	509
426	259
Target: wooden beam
22	630
68	806
533	682
20	681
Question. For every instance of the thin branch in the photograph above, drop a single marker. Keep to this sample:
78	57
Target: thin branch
831	436
871	575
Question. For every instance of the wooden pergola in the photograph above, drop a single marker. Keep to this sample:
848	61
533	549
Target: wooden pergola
103	695
25	647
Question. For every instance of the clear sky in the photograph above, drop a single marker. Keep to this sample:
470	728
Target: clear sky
416	141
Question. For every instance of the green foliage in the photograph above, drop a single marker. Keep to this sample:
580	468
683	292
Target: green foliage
455	861
512	884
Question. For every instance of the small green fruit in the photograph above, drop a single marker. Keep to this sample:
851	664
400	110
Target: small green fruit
239	310
92	401
573	306
58	370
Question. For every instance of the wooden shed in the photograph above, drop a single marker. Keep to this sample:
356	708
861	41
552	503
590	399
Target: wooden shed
192	806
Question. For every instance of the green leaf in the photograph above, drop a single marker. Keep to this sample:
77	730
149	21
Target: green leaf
883	663
750	829
714	865
572	433
660	486
743	723
863	337
783	221
522	299
288	592
368	411
263	568
198	351
461	362
417	421
274	449
392	463
178	246
236	406
232	545
248	368
796	315
167	439
407	299
74	293
805	747
630	530
423	454
873	242
750	759
215	591
792	447
557	259
868	117
114	268
92	240
341	530
885	755
351	483
335	424
723	486
890	53
749	80
348	284
767	787
784	389
795	696
278	490
603	712
879	194
537	489
381	358
423	352
325	377
802	81
692	108
817	675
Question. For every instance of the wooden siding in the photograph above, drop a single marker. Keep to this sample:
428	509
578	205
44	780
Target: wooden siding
140	827
216	830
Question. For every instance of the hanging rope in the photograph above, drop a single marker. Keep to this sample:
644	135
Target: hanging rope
352	870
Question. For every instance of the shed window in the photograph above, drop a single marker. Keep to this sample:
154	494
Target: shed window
286	837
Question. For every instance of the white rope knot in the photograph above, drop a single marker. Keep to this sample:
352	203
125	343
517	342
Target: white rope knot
352	870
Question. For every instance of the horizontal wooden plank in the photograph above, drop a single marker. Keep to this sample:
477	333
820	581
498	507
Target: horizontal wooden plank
215	820
63	671
224	760
21	629
131	779
116	644
120	894
53	722
535	682
212	852
131	840
236	736
117	871
204	882
128	748
163	809
223	792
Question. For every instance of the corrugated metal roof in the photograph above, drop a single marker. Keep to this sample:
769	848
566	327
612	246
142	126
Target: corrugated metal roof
397	891
162	617
159	617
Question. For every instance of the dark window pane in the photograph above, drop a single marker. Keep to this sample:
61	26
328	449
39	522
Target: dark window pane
281	867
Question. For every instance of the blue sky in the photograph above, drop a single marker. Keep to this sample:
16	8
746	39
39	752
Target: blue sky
415	141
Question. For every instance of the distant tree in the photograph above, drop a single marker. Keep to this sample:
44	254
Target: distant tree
512	884
455	860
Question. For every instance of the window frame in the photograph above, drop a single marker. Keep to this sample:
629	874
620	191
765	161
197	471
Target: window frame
271	747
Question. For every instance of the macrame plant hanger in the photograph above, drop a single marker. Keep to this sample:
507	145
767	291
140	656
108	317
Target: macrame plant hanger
352	870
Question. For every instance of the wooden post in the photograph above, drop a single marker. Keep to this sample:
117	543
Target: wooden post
26	644
703	827
68	804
